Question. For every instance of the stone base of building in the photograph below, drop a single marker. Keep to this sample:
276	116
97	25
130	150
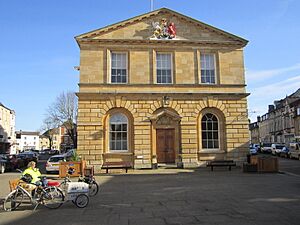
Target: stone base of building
143	166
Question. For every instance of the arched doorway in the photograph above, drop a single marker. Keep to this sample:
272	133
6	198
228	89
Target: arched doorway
165	136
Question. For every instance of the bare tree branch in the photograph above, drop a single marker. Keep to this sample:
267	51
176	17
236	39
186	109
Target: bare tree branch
63	112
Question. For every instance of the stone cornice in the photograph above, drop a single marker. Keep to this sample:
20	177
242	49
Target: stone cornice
159	42
161	85
181	95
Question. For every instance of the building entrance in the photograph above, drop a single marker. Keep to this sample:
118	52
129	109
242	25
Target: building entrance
165	139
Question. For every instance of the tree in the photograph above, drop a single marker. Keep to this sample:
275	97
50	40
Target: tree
63	112
49	129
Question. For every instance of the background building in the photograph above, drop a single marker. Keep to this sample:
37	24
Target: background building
281	124
27	140
161	88
7	130
60	138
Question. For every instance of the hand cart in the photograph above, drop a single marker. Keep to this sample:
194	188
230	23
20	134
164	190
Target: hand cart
78	193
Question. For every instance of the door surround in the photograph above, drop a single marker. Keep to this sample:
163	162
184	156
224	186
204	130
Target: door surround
165	118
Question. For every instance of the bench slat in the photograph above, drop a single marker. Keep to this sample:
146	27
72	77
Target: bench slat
116	165
213	163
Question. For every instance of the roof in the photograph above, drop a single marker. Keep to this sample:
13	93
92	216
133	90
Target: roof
34	133
6	108
127	22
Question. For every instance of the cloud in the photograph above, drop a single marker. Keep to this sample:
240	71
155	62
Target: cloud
282	88
267	74
263	96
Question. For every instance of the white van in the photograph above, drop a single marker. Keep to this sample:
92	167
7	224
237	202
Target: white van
276	149
295	150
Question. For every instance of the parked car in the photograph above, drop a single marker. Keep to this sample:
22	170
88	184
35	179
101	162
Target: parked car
52	164
285	152
70	153
257	147
253	150
3	163
295	150
53	152
36	151
266	148
27	157
14	162
44	151
276	149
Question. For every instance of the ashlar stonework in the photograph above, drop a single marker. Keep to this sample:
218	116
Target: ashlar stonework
181	101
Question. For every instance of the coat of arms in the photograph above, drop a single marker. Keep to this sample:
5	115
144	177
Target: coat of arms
164	30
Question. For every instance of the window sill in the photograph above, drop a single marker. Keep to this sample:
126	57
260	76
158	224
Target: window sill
118	152
211	151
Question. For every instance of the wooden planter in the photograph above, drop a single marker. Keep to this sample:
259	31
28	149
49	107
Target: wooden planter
78	166
267	164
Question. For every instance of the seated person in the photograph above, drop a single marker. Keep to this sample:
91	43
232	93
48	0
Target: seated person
34	173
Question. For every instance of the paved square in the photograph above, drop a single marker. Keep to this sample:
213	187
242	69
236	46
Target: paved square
173	196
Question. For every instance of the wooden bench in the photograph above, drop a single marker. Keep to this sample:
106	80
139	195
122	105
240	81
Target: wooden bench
116	165
213	163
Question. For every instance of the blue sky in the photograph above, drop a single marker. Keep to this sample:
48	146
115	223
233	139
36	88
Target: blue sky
38	50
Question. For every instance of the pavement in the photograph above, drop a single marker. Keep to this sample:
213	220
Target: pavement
173	197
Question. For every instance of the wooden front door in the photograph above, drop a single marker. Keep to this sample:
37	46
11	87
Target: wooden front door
165	145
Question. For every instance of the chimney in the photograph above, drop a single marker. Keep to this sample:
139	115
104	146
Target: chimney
271	108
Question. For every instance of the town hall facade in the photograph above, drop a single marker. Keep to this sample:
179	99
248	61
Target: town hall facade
161	88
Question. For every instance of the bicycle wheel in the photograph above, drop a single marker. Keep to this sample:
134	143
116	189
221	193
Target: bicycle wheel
52	197
81	201
13	200
93	188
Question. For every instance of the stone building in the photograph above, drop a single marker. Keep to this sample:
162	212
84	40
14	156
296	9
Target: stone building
27	140
60	139
161	88
7	130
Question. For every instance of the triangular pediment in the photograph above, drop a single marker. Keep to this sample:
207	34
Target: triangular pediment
160	25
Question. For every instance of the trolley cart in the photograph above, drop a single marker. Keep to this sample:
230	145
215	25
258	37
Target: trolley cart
78	193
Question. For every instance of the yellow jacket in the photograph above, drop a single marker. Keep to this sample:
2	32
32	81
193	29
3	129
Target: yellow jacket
34	173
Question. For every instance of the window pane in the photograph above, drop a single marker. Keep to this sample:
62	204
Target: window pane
216	144
112	145
118	67
207	62
215	126
209	144
215	135
118	145
163	66
112	127
209	126
124	145
118	132
210	132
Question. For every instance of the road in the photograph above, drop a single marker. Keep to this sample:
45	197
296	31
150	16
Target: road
290	166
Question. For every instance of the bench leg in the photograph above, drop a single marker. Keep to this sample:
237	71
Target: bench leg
211	168
229	168
126	169
106	170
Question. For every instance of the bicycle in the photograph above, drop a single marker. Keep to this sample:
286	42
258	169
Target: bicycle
51	197
90	180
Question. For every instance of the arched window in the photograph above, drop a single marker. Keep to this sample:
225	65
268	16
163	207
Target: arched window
118	132
210	131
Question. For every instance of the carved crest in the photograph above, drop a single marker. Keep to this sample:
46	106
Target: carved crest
163	29
164	120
